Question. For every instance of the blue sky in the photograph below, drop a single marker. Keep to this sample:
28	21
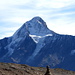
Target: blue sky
58	14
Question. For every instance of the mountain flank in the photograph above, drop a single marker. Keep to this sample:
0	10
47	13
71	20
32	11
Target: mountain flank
36	45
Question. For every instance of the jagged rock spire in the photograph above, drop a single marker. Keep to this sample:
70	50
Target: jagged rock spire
48	71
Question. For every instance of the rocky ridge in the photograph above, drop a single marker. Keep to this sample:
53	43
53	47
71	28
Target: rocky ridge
20	69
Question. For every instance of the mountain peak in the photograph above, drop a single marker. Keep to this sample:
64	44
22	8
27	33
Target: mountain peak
37	18
36	26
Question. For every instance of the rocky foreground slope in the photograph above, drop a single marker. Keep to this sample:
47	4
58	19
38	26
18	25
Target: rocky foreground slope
18	69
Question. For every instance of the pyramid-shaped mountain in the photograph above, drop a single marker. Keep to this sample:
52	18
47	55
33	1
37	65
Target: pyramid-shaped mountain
36	45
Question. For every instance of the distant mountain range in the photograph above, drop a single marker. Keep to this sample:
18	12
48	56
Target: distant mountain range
36	45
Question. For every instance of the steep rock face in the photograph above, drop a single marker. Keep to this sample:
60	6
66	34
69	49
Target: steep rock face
3	43
59	51
34	44
21	52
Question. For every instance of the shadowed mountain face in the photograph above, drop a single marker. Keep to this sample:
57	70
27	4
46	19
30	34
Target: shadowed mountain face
36	45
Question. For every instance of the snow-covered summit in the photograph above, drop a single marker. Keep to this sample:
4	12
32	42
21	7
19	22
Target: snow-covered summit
36	26
39	20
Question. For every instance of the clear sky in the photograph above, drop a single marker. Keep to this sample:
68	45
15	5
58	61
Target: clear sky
58	14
